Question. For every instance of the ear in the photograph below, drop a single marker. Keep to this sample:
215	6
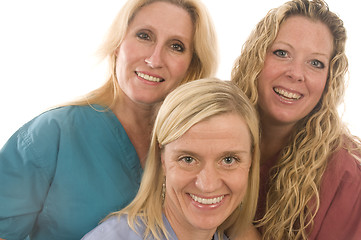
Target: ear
116	51
162	160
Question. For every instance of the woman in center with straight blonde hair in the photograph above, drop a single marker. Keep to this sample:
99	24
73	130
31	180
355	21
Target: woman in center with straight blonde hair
201	175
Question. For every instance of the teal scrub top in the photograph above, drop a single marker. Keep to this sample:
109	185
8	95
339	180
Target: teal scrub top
63	172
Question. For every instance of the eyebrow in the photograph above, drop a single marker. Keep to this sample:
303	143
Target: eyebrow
187	152
175	36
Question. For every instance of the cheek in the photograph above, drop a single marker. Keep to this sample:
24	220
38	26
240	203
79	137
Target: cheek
318	86
238	182
179	67
121	62
171	171
177	181
127	54
269	72
262	87
176	178
265	77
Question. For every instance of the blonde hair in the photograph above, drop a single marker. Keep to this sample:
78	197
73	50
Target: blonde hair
186	106
293	197
204	60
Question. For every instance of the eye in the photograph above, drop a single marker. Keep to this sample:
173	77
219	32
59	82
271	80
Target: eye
229	161
317	64
187	160
280	53
177	47
143	36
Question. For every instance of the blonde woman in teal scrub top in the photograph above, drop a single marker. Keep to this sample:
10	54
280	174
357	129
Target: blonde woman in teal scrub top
66	169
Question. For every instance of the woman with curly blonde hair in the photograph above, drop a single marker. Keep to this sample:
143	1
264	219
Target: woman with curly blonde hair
66	169
293	68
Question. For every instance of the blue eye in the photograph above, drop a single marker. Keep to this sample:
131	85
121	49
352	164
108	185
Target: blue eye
280	53
317	64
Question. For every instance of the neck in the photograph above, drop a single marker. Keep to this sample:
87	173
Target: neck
137	120
193	235
133	114
185	231
274	138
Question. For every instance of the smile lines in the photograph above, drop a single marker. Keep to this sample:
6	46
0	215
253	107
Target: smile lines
207	201
149	78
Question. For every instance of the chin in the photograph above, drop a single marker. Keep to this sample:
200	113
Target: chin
207	224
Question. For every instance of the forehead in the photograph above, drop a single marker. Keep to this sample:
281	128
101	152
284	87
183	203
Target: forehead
303	31
225	132
164	16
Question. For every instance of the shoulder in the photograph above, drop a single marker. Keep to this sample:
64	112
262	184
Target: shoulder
339	214
341	181
41	136
57	118
48	126
50	123
67	113
342	175
344	166
115	227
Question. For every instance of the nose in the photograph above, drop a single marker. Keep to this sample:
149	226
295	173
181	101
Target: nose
208	179
155	57
296	71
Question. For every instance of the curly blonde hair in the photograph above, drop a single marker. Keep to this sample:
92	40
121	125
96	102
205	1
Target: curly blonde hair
293	197
204	62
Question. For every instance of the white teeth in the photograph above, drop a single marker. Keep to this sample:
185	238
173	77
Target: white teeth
149	78
207	201
283	93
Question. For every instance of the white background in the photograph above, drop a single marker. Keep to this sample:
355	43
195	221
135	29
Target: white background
47	51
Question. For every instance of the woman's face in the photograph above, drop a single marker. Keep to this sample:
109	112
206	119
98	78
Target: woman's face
295	71
156	52
206	173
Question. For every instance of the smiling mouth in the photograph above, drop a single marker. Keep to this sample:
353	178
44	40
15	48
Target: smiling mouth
207	201
149	78
287	95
